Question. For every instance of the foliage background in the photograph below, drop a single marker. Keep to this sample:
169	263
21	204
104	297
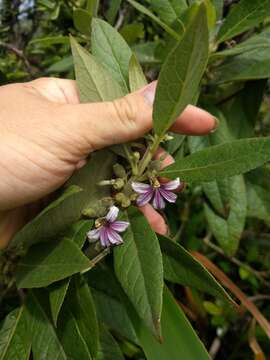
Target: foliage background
34	42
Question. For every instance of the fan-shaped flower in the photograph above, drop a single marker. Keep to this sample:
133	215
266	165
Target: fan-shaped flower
108	228
158	192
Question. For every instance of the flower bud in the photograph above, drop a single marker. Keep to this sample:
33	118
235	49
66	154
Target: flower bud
119	171
136	156
118	184
126	203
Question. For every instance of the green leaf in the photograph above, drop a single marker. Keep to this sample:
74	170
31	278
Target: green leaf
53	219
168	10
82	21
50	40
78	232
57	294
70	336
218	4
60	214
82	307
132	32
45	343
47	263
111	312
251	65
94	81
179	339
220	161
258	41
181	73
228	230
137	79
15	342
138	267
112	11
180	267
147	52
94	199
58	291
65	64
110	309
109	349
156	19
243	16
92	7
258	194
111	50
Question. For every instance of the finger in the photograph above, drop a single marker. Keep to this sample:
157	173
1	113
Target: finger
195	121
61	91
155	220
127	118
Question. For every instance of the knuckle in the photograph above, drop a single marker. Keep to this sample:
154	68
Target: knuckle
125	111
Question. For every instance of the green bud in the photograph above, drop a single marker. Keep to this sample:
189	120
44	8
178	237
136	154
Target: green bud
133	197
126	203
136	155
90	213
119	197
118	184
119	171
168	137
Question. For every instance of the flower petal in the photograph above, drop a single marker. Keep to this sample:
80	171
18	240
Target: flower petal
168	195
140	188
158	201
112	214
171	185
145	198
104	238
114	237
119	226
93	235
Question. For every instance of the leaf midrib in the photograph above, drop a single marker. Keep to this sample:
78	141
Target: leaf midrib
141	268
50	326
12	333
208	166
114	55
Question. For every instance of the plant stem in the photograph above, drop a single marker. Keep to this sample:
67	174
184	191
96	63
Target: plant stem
150	152
235	261
96	259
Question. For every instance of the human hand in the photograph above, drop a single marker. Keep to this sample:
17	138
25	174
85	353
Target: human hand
46	135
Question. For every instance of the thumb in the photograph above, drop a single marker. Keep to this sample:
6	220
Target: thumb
107	123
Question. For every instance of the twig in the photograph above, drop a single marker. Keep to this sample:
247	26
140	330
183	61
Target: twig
214	348
234	260
19	53
121	18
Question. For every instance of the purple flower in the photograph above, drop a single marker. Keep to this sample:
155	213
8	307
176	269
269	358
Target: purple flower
156	191
107	229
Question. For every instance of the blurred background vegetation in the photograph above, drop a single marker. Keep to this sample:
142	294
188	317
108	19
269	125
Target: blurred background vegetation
34	42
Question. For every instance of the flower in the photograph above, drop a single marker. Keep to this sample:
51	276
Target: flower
156	191
107	229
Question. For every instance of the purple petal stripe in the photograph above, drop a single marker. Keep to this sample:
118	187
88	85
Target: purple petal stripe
140	188
112	214
104	239
145	198
114	237
119	226
168	195
158	201
171	185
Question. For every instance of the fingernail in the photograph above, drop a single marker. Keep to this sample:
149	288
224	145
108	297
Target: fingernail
216	125
149	92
